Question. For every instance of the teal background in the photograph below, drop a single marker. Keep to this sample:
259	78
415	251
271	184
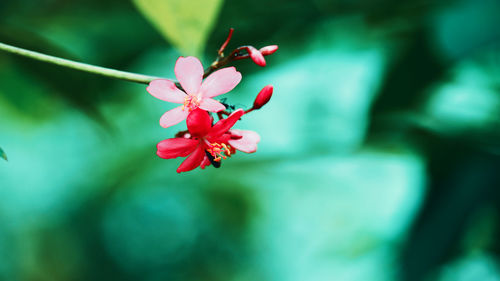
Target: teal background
379	157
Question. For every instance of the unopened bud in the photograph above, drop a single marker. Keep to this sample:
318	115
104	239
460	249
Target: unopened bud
268	50
256	56
263	97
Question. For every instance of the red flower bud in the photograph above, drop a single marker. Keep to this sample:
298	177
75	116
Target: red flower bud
268	50
256	56
263	97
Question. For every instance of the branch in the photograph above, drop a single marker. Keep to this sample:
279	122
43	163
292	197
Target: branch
220	61
103	71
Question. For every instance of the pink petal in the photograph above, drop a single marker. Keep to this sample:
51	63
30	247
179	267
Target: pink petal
166	90
248	141
220	82
173	117
194	160
176	147
225	124
189	72
198	122
211	105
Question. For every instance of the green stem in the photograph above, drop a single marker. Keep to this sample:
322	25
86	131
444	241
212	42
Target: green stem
103	71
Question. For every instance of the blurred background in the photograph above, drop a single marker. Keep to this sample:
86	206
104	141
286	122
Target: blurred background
379	157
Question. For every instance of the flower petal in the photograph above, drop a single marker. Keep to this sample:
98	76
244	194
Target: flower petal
248	141
176	147
256	56
170	155
198	122
194	160
205	162
263	97
268	50
166	90
173	117
189	72
211	105
220	82
224	125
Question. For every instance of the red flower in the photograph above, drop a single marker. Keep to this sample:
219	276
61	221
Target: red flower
263	97
205	143
258	55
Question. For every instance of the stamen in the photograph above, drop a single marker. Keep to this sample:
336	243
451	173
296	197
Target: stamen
227	150
191	103
216	150
210	157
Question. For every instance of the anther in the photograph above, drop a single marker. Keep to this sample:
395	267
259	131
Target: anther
191	103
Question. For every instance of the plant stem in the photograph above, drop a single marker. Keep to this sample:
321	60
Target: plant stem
103	71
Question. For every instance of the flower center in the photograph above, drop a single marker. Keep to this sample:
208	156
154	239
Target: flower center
216	150
190	103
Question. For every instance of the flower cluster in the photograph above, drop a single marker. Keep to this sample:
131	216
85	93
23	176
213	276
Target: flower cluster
206	142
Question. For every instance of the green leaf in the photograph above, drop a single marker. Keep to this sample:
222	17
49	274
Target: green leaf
2	154
186	24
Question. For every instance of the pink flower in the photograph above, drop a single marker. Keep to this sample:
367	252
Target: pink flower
207	144
196	94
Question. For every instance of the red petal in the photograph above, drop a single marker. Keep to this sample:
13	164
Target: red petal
256	56
194	160
263	97
268	50
205	162
198	122
225	124
176	147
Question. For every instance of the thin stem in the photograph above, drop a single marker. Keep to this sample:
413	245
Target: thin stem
220	62
103	71
224	45
223	112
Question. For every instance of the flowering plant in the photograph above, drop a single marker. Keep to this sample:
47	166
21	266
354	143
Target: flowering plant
204	142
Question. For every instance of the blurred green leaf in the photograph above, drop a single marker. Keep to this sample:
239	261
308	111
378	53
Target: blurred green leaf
186	24
2	154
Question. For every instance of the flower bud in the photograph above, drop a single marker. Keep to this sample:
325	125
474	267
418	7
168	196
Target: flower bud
263	97
256	56
268	50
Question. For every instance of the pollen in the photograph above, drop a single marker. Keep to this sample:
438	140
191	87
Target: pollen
190	103
216	150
